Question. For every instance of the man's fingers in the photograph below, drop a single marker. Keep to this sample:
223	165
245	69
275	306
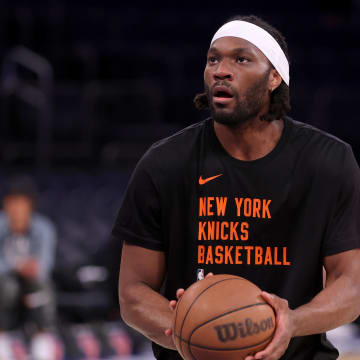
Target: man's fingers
282	335
172	304
209	275
249	358
168	332
179	293
272	300
260	355
276	354
275	349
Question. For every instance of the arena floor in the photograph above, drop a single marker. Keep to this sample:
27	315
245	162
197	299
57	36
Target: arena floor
347	340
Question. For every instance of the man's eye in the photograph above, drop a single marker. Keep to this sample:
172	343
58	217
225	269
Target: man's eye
212	59
240	59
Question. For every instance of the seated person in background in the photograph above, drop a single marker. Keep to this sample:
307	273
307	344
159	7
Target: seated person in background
27	253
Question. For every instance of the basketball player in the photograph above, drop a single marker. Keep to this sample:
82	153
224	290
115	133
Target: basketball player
249	192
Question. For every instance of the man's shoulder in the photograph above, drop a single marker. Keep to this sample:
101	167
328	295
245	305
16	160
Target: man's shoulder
2	216
316	135
42	222
3	221
176	148
325	153
320	147
181	137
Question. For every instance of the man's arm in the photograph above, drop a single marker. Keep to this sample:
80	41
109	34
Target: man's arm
337	304
141	305
5	267
46	234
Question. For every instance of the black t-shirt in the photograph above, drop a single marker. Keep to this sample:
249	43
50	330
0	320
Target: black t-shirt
271	221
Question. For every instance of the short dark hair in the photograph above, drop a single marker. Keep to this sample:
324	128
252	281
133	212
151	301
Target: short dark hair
280	97
21	185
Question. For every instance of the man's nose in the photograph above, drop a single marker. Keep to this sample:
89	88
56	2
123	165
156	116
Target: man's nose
223	72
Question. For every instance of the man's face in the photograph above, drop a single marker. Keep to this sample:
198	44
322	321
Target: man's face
236	81
18	208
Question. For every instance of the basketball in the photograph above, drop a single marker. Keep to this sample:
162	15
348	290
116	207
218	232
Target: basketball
222	317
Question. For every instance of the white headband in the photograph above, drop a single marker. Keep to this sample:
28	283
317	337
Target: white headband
261	39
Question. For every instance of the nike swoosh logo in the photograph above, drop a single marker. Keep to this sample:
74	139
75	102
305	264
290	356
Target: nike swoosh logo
204	181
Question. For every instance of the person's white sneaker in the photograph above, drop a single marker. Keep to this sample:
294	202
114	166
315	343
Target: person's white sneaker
6	347
45	346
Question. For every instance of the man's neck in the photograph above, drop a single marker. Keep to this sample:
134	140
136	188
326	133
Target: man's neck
19	228
250	141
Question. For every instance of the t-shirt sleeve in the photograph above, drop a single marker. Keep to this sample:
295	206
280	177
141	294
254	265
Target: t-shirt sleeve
343	232
139	216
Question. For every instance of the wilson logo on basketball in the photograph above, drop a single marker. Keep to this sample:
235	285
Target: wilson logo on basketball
231	331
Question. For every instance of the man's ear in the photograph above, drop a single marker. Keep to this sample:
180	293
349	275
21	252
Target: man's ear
274	80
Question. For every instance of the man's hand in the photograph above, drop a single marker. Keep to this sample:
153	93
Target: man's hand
29	268
172	306
172	303
285	329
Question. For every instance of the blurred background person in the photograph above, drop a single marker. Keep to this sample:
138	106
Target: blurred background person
27	253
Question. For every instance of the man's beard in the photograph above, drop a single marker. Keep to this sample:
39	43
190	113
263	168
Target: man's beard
247	107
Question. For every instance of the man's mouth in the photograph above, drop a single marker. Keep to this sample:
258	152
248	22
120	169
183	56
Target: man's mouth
222	94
